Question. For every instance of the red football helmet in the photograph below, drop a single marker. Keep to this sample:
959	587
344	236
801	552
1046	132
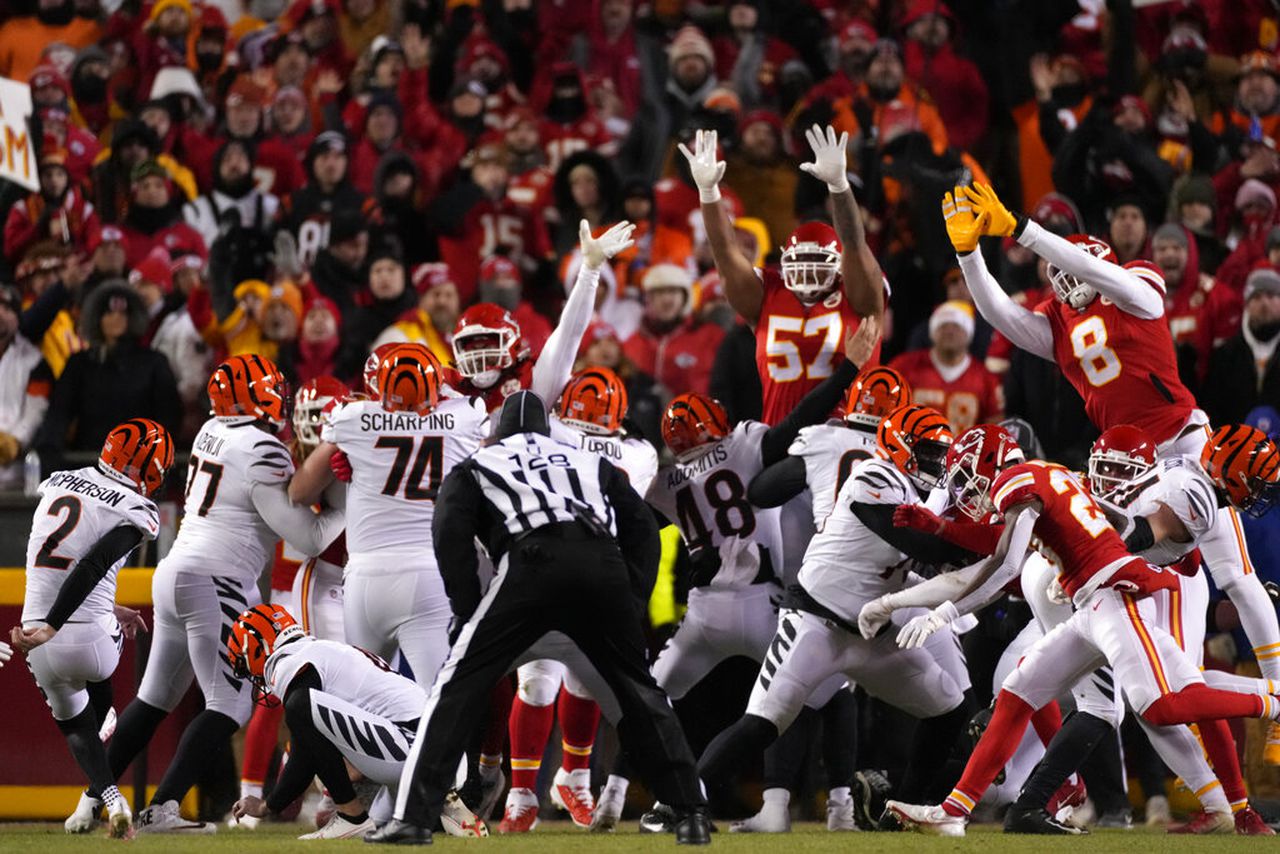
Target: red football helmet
1071	290
811	261
371	368
973	462
692	421
308	404
1119	456
486	342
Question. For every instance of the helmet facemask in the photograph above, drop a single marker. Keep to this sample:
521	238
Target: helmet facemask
1069	289
1112	472
483	354
929	462
970	491
809	271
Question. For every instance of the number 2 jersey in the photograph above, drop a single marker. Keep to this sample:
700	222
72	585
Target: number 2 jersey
78	508
347	673
398	460
732	543
222	532
830	451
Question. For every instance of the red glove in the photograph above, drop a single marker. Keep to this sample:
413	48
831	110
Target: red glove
1188	564
918	517
340	466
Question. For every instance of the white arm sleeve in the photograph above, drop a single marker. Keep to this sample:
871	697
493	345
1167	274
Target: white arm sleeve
1114	282
943	587
555	363
1025	328
308	532
1019	542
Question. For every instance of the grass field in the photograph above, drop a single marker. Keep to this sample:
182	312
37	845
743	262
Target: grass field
556	837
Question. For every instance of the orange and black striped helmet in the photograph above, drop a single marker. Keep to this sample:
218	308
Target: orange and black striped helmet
594	401
409	379
249	387
1244	463
874	394
691	421
916	439
255	635
138	452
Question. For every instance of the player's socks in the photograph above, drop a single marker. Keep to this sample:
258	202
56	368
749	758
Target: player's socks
494	740
1221	746
1077	738
579	720
100	698
786	760
1047	720
729	750
530	726
996	747
205	737
260	739
81	733
138	723
930	749
1198	702
840	740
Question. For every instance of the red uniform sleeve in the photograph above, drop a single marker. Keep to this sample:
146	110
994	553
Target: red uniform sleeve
1014	486
973	536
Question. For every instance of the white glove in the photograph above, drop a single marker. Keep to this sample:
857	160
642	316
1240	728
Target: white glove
597	250
1056	594
6	653
704	167
829	162
873	616
918	630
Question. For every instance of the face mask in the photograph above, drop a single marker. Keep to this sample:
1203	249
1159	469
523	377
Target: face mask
209	60
565	110
236	189
89	89
1266	331
1069	94
883	94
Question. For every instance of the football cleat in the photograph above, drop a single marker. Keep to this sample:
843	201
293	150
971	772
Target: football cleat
1249	823
927	818
774	817
85	817
165	818
660	819
120	818
325	810
870	791
571	792
1158	813
1070	796
397	832
458	820
1116	820
340	827
492	784
840	815
1035	820
609	808
521	814
1205	823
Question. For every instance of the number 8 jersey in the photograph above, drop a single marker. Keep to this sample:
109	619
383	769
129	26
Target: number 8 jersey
706	498
398	460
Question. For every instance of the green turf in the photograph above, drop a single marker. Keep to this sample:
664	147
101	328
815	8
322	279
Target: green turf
555	837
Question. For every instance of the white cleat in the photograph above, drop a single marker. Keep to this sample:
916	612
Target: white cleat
609	809
931	819
85	817
458	819
840	815
340	828
165	818
120	819
774	817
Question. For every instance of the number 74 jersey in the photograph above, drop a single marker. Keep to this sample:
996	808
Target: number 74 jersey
398	460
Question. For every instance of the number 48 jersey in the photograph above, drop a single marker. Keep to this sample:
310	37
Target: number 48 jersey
706	499
398	460
78	508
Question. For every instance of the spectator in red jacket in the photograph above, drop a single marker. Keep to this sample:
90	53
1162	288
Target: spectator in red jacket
90	89
946	377
750	59
276	167
484	61
671	345
381	134
953	81
162	41
854	47
1202	314
612	53
289	122
155	217
1255	206
317	21
58	212
57	131
502	284
572	124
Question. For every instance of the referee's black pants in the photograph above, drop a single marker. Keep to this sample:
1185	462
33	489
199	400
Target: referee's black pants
562	578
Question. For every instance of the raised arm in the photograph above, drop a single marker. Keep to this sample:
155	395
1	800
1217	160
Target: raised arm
863	280
555	363
742	287
1025	328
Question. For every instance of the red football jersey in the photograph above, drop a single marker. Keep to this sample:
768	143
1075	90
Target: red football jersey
974	397
798	346
1203	316
491	228
514	378
1072	530
1123	366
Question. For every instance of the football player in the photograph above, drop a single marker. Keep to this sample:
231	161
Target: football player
236	507
590	414
87	523
802	316
857	555
1105	328
1115	622
344	707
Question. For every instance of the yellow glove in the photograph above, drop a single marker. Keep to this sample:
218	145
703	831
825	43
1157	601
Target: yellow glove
1000	223
9	447
963	227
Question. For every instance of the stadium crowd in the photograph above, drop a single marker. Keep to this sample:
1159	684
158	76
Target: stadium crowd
308	180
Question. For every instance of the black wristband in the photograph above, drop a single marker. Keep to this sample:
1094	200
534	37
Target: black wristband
1022	220
1141	537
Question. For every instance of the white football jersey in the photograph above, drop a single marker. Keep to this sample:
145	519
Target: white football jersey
398	461
830	451
1181	485
847	564
221	529
77	508
636	457
706	499
347	673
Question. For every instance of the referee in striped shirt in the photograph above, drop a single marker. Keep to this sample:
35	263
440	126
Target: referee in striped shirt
576	551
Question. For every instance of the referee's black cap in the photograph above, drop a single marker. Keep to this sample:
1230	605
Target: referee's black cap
523	412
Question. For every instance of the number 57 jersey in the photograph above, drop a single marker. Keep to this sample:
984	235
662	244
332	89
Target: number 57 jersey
398	460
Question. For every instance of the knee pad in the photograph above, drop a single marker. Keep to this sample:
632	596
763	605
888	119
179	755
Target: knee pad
574	685
540	690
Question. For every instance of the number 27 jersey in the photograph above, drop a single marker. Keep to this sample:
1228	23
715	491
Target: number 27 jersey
398	460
